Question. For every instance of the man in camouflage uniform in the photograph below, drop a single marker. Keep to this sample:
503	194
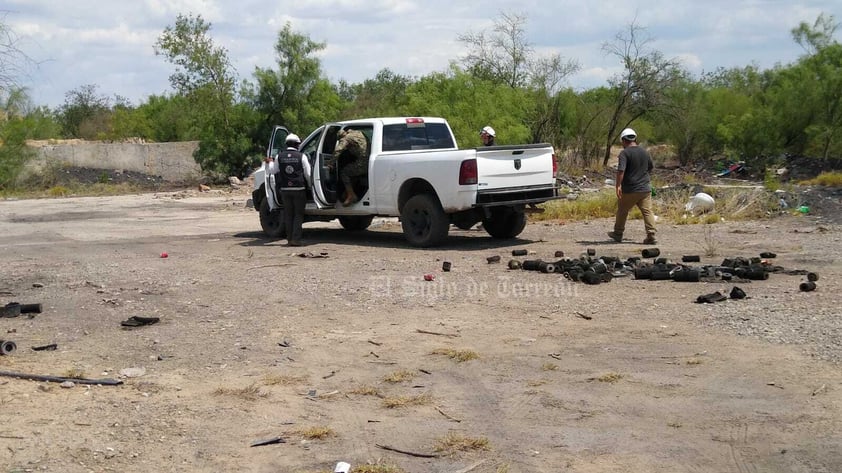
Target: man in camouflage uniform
354	143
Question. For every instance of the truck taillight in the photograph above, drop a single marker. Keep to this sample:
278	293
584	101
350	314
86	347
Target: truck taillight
555	165
468	172
414	122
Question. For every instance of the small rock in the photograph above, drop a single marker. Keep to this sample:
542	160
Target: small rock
37	284
132	372
67	384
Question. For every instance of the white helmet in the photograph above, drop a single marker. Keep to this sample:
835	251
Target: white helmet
628	134
293	138
488	130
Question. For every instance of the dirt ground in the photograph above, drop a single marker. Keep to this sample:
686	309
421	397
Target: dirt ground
344	354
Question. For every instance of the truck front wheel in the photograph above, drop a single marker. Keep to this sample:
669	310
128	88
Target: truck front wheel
272	221
423	221
504	222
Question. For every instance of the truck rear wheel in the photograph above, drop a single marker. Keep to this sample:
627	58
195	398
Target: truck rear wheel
272	221
355	223
505	222
423	221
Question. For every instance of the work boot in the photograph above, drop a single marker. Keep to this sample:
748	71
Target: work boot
350	198
618	237
650	240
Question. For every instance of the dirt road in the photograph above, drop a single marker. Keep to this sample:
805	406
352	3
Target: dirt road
341	355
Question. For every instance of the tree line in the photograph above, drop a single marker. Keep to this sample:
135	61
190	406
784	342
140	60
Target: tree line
742	113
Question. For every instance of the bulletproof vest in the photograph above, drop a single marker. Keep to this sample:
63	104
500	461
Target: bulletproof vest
290	169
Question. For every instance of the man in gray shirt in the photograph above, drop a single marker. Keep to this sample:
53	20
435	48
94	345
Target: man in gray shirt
633	187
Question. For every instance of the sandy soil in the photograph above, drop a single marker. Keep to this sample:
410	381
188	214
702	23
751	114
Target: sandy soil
256	342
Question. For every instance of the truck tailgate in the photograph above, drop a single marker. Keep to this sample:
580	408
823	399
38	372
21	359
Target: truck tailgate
502	167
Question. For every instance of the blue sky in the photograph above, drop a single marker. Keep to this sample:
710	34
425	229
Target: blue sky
110	42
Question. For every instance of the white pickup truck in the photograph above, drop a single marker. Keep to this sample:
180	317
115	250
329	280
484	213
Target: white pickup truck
417	173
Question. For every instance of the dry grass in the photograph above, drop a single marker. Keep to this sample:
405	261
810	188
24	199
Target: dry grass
251	392
314	433
399	376
365	390
827	179
453	442
457	355
609	378
378	468
694	361
601	204
74	373
536	382
549	367
710	244
406	401
283	380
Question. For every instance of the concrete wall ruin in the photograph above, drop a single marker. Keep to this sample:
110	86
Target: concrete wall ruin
172	161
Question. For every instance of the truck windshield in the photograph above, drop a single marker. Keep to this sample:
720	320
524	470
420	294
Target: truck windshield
400	137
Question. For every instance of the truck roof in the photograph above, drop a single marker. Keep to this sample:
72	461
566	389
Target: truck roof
393	120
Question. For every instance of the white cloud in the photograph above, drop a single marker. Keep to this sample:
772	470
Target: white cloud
110	42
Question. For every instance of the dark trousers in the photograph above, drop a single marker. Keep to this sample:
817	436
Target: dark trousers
294	201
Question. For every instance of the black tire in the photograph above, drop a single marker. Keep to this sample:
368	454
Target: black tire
272	221
423	221
355	223
504	222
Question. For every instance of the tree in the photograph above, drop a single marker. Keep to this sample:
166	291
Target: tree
385	95
504	56
295	95
205	76
814	84
13	61
817	37
642	86
85	113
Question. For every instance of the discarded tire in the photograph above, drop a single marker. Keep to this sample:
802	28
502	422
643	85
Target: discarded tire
559	254
531	265
7	347
520	252
661	275
808	286
768	255
606	277
546	268
590	277
574	276
12	309
686	275
756	275
691	259
493	259
661	260
812	277
737	293
650	252
445	266
30	308
643	272
591	252
599	268
726	276
514	264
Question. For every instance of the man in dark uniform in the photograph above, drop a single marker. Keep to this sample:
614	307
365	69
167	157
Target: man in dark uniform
633	187
293	174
